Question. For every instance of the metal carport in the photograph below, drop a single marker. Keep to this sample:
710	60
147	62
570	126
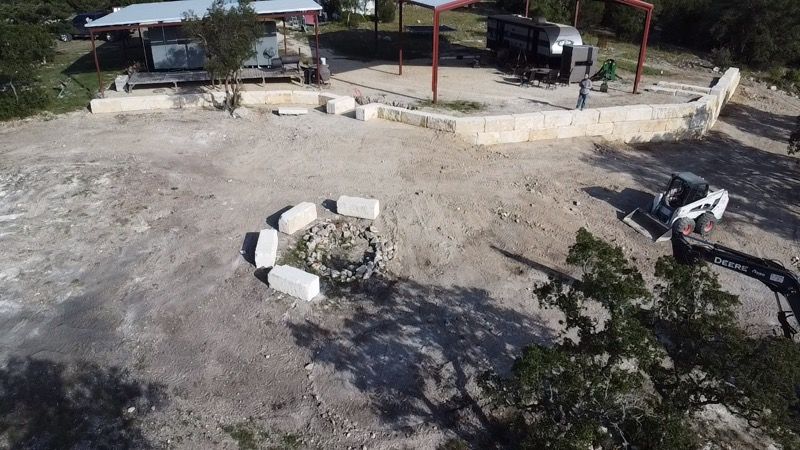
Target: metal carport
438	7
171	14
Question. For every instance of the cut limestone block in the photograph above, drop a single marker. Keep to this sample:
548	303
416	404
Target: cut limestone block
340	105
294	282
364	208
297	218
367	112
500	123
267	248
292	111
440	122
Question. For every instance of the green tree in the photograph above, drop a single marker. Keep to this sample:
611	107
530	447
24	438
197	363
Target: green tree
227	34
636	373
22	49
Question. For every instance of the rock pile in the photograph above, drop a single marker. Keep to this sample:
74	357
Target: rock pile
322	243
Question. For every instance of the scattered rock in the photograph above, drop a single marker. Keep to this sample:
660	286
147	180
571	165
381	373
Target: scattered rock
131	410
773	88
310	366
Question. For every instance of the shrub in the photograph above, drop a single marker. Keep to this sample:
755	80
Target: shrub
28	100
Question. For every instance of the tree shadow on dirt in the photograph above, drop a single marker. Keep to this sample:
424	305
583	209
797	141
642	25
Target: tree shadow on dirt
763	186
416	351
777	127
44	404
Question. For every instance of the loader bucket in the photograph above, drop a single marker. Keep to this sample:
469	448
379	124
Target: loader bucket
648	225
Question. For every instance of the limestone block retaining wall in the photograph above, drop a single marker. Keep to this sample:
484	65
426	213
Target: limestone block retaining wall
638	123
210	99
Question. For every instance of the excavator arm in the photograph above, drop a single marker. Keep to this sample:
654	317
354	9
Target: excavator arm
688	250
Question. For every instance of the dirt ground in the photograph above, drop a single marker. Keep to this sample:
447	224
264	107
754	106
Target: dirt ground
129	317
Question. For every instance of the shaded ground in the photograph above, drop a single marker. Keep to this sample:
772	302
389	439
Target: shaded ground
121	239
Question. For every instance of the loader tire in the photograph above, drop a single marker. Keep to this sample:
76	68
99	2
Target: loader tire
706	224
684	226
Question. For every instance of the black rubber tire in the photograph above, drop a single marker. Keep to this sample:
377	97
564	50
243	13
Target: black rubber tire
705	224
684	225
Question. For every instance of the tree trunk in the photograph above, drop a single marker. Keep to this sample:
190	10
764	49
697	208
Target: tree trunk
14	90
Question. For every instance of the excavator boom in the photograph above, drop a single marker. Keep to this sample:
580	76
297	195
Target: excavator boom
688	250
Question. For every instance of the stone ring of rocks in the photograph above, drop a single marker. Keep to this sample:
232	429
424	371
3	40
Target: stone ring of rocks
345	252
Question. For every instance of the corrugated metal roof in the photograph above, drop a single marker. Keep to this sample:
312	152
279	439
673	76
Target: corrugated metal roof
174	11
437	4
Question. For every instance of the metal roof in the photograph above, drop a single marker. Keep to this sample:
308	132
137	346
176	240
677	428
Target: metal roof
442	5
174	11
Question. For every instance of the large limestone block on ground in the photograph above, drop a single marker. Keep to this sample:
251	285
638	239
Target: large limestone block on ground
499	123
364	208
528	121
585	117
470	125
340	105
305	98
415	118
572	131
367	112
297	218
324	97
440	122
557	119
543	134
639	112
290	111
266	248
600	129
612	114
294	282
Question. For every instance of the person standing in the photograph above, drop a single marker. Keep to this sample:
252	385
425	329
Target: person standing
583	96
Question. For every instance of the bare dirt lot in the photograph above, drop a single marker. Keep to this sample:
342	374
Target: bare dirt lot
129	318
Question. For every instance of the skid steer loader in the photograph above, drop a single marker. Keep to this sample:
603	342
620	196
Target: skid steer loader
685	207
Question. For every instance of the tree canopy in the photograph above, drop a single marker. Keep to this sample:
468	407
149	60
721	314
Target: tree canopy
636	373
227	34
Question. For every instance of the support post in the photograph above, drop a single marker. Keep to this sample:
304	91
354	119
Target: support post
375	16
577	11
400	40
435	80
527	7
642	51
144	50
316	49
97	65
285	39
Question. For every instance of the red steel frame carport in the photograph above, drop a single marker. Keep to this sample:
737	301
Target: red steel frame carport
438	7
648	9
139	27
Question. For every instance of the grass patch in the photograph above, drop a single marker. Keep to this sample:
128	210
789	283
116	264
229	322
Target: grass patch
73	68
294	256
630	66
247	434
463	106
291	441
